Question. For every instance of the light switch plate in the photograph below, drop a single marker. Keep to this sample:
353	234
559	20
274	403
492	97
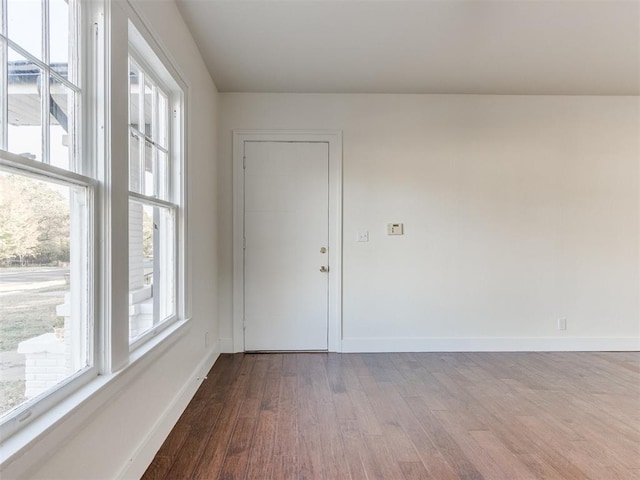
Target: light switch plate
395	229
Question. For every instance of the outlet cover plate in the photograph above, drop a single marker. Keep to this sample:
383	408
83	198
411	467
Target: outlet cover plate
363	237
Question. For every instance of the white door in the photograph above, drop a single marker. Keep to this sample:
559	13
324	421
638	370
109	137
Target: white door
286	227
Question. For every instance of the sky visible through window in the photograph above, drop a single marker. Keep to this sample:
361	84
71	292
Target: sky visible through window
28	34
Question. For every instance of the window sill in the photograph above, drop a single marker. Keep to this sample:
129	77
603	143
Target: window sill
140	344
24	451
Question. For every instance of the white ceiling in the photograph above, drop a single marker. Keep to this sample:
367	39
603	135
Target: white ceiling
577	47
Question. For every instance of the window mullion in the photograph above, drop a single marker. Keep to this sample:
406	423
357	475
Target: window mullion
46	108
141	127
155	133
173	128
156	267
4	89
4	95
45	90
77	48
3	20
45	31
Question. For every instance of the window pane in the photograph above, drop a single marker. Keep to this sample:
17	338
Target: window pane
149	107
149	170
151	267
135	164
164	218
44	331
163	120
154	134
61	126
134	95
59	36
163	176
24	107
24	25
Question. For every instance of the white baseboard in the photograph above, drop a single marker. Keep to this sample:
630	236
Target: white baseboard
490	344
146	451
226	345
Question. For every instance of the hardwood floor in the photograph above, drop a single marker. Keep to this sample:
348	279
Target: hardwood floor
411	416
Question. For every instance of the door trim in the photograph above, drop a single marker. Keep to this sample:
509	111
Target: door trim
334	140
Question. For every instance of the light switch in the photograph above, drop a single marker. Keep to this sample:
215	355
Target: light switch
395	229
363	236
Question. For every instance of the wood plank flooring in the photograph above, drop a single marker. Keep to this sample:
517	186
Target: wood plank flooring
410	416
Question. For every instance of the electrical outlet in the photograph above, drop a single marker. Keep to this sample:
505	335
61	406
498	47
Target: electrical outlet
562	324
363	237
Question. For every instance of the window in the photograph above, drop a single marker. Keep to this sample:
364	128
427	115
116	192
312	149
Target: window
153	203
43	92
63	166
46	210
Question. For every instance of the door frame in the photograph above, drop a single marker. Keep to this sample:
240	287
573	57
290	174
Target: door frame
334	140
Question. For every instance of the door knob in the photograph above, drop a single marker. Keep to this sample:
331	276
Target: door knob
324	269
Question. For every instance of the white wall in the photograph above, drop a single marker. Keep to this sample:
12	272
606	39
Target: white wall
127	421
517	210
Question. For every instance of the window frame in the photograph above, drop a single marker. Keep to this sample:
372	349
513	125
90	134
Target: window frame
83	165
171	85
31	409
148	72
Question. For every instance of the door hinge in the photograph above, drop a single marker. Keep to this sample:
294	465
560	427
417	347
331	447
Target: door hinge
244	162
244	243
